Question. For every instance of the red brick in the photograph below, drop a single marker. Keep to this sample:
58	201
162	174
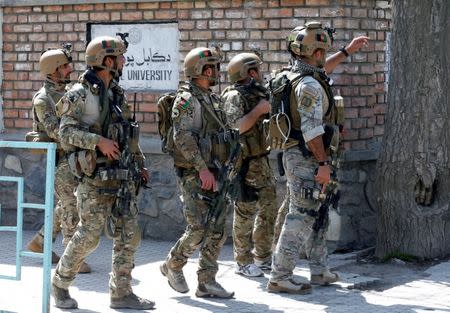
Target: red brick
37	18
218	14
186	25
22	9
218	4
366	112
52	18
99	16
101	7
350	134
27	28
10	113
38	37
23	47
287	3
202	24
10	75
22	19
22	103
9	123
10	19
53	8
237	24
68	7
24	114
23	123
306	12
359	12
83	7
22	85
219	24
236	3
147	107
53	27
37	28
23	66
371	122
256	24
184	5
165	5
8	56
183	14
380	119
366	133
67	17
200	14
272	13
255	13
379	109
236	14
199	35
254	3
165	14
331	12
236	35
317	2
115	16
71	37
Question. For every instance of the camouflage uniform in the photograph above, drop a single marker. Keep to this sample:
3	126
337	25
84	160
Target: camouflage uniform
195	129
45	120
258	179
86	116
312	104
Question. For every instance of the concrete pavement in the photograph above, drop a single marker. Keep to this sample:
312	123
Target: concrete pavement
364	287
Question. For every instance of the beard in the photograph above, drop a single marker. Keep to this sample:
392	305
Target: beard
321	61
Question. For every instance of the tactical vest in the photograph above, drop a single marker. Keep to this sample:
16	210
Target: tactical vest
212	134
254	143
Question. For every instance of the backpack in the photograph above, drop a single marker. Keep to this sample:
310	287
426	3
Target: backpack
165	129
278	126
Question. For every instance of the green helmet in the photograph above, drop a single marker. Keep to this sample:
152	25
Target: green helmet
240	64
304	40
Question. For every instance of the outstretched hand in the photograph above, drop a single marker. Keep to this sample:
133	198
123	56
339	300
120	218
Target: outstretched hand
357	43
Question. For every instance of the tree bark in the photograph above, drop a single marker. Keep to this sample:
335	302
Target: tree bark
413	169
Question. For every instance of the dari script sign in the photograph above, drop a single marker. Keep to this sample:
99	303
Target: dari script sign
152	58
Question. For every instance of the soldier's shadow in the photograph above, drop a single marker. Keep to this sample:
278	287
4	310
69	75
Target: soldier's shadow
234	305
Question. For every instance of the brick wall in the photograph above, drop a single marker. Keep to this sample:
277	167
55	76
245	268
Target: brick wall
237	24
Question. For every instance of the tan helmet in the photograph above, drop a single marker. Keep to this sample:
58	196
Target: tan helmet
51	59
100	47
240	64
197	58
304	40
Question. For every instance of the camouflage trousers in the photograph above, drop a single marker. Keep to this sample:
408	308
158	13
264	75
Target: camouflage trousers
253	224
196	235
65	214
297	228
95	206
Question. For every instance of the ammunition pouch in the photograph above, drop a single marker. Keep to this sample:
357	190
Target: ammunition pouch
110	173
215	148
82	163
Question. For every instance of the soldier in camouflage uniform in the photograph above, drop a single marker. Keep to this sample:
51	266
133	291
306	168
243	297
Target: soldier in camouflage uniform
93	111
56	65
201	140
330	64
307	166
246	105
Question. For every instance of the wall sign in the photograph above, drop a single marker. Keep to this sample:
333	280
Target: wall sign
152	58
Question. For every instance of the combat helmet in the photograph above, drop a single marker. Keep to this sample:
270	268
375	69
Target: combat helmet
304	40
240	64
197	58
51	59
100	47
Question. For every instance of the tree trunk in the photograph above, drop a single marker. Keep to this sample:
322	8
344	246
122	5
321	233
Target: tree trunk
413	170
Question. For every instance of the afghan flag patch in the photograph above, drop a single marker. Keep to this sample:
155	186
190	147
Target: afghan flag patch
183	104
204	54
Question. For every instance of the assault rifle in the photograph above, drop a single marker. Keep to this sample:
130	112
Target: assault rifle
125	169
227	186
329	199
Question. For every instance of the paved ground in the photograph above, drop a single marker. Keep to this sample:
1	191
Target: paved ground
364	288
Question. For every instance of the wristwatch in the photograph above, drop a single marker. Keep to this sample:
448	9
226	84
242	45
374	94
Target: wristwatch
344	51
322	163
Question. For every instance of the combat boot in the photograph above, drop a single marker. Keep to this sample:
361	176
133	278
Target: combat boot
63	299
325	278
131	301
212	289
289	286
84	268
175	278
37	245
